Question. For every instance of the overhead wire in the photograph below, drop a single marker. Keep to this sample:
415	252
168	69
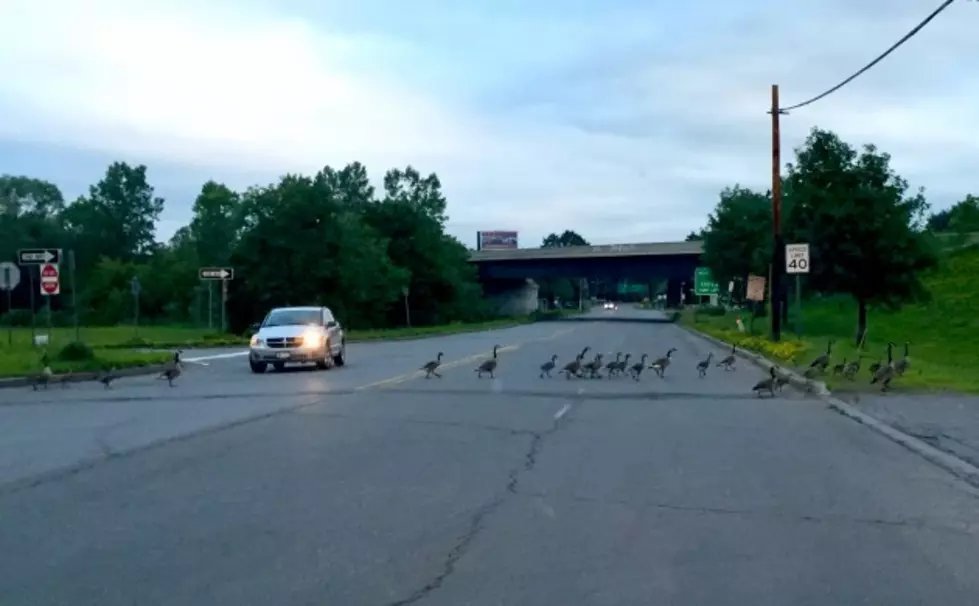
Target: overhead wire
879	58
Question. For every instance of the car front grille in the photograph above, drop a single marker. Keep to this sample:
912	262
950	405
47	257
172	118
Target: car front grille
284	343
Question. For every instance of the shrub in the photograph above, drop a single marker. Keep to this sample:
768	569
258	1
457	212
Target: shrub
76	351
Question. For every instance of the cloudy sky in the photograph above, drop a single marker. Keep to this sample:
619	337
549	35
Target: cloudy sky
621	119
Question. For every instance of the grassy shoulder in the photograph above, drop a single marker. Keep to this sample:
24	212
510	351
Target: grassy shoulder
25	363
943	332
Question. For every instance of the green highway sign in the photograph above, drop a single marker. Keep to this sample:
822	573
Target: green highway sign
703	283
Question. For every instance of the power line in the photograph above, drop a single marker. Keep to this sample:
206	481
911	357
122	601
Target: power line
880	58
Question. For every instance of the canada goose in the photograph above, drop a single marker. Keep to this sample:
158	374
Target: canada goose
610	367
903	364
728	362
106	378
823	361
620	366
781	380
660	364
838	368
704	364
767	384
574	366
851	369
875	366
489	366
43	377
638	367
594	367
885	373
431	367
547	367
174	371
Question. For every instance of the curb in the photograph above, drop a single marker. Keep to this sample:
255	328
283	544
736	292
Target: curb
80	377
956	466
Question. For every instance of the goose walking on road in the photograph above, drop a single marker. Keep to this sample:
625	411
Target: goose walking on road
489	366
430	368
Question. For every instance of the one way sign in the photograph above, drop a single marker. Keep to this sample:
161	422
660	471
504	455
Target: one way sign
216	273
38	256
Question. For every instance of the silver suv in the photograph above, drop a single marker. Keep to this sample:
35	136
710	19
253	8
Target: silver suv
291	335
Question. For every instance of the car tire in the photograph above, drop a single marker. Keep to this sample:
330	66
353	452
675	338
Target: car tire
279	366
341	358
323	364
257	367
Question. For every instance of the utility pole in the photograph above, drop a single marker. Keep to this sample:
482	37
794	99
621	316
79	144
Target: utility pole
778	245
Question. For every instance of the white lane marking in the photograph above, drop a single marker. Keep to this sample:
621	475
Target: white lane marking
564	410
236	354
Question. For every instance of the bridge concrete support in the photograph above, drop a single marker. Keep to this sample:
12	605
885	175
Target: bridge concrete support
512	297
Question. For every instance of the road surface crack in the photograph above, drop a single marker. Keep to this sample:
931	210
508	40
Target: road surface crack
477	520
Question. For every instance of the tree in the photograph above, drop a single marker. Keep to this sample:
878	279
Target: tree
694	236
737	239
963	217
118	217
863	226
567	238
214	227
938	222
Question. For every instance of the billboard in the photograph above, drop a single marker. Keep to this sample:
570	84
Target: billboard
496	240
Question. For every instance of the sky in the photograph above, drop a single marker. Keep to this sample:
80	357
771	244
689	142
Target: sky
620	119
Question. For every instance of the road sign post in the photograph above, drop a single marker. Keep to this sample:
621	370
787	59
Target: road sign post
136	287
404	293
797	262
211	274
74	293
224	305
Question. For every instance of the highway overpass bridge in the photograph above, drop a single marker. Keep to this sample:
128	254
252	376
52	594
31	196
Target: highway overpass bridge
508	275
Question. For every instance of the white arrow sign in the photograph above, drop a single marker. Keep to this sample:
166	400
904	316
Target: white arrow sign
216	273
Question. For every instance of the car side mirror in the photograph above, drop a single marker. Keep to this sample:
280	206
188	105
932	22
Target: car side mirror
332	324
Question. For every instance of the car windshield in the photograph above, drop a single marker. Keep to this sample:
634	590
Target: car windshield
292	317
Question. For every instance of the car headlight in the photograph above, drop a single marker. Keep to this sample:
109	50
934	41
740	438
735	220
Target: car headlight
256	342
312	340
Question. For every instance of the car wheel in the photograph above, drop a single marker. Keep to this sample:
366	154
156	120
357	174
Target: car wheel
257	367
323	364
279	366
341	358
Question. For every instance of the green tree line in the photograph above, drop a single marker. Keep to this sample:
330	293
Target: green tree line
870	234
329	238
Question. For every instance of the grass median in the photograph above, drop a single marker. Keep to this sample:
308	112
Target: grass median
125	347
943	333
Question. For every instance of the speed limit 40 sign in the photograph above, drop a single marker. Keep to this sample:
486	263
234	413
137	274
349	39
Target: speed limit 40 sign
796	258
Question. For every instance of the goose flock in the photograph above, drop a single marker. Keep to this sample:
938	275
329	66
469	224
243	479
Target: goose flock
597	367
46	377
881	373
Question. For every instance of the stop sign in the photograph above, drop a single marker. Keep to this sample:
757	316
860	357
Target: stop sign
50	278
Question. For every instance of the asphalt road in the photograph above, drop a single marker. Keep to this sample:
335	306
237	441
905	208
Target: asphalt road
369	485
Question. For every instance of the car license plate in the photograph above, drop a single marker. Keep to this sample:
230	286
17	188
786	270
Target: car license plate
282	356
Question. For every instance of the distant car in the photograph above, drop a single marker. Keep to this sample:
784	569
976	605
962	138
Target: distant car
297	335
610	305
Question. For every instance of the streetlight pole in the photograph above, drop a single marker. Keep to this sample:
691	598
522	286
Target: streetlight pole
778	245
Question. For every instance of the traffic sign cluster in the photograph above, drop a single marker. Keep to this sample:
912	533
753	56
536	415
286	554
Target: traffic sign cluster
47	260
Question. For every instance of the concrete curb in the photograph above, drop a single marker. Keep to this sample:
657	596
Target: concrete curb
79	377
956	466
